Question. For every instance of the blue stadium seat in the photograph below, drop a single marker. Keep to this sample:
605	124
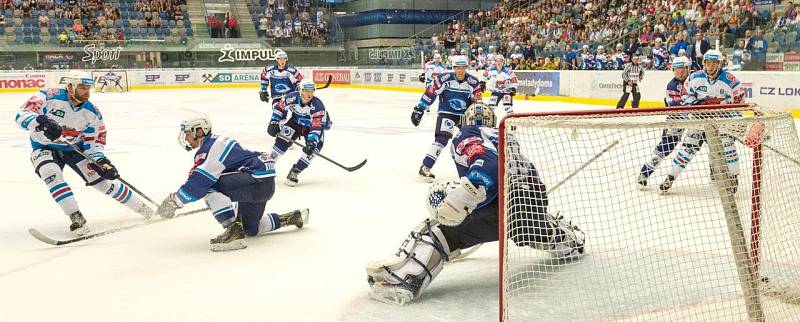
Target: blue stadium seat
189	32
166	31
172	23
126	23
27	40
18	32
18	39
26	21
2	31
162	15
85	21
27	30
37	40
53	39
139	15
151	31
37	31
8	13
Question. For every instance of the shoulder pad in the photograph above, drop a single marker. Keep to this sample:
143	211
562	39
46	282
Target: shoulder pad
92	108
54	93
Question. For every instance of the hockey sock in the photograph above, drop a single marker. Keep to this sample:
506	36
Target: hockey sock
683	158
436	148
59	189
303	162
221	207
120	192
731	157
662	150
268	223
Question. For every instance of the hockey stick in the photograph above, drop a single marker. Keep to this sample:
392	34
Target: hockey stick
584	165
350	169
778	152
92	161
47	240
328	83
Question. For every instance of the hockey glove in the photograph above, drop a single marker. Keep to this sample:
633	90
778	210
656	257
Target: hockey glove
46	125
273	128
416	116
105	169
168	207
310	147
483	86
460	199
512	92
421	78
264	96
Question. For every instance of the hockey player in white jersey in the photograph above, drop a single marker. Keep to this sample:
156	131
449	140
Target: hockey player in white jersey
235	183
465	214
503	83
672	136
432	70
56	118
279	79
710	86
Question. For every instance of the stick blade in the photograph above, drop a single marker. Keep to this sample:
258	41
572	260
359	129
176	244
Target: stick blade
356	167
41	237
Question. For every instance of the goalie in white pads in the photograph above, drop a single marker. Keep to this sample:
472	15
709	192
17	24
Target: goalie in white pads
111	79
465	214
56	116
225	174
710	86
672	136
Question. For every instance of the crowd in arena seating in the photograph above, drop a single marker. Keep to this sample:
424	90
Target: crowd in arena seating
288	22
535	33
68	22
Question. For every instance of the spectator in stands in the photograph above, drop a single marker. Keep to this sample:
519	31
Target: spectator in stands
77	27
759	51
215	26
701	46
741	56
263	25
2	21
633	46
679	44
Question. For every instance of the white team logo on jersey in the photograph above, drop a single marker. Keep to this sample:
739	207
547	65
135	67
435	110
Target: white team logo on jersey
457	104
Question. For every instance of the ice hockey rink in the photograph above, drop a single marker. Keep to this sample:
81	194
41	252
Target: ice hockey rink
165	271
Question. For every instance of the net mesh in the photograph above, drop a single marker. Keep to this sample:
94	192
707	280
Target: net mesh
701	251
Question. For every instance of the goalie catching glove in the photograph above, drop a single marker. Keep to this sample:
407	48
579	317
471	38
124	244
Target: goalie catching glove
449	204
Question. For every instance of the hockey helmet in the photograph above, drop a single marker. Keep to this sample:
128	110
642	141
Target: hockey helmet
191	125
478	114
78	77
307	84
681	62
460	61
281	54
713	55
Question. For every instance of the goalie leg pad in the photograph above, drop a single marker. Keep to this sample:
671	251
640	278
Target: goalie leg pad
402	278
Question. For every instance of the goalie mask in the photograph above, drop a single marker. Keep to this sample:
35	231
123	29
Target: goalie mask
478	114
187	137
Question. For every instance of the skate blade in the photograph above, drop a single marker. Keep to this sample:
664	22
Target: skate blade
290	183
234	245
304	217
390	294
641	187
82	231
426	179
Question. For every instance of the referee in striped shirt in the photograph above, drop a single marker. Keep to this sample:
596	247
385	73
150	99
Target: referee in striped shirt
631	76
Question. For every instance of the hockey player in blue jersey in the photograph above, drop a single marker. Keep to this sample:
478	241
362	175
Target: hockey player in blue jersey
225	173
602	60
669	137
456	91
660	56
465	214
710	86
309	120
279	78
56	116
587	59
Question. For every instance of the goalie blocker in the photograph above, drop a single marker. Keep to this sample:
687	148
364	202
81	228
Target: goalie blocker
465	214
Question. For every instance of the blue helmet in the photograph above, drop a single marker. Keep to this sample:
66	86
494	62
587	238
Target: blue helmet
460	61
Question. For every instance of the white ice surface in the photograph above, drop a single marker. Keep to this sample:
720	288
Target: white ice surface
165	272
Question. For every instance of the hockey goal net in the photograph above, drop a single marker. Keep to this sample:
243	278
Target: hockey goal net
703	250
110	80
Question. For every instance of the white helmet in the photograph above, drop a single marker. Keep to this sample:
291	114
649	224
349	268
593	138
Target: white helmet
77	77
599	48
585	46
281	54
460	61
307	84
499	58
192	124
681	62
713	55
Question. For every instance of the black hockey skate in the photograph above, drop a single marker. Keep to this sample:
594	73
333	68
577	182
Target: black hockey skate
664	187
425	174
642	181
298	218
291	179
231	239
77	223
